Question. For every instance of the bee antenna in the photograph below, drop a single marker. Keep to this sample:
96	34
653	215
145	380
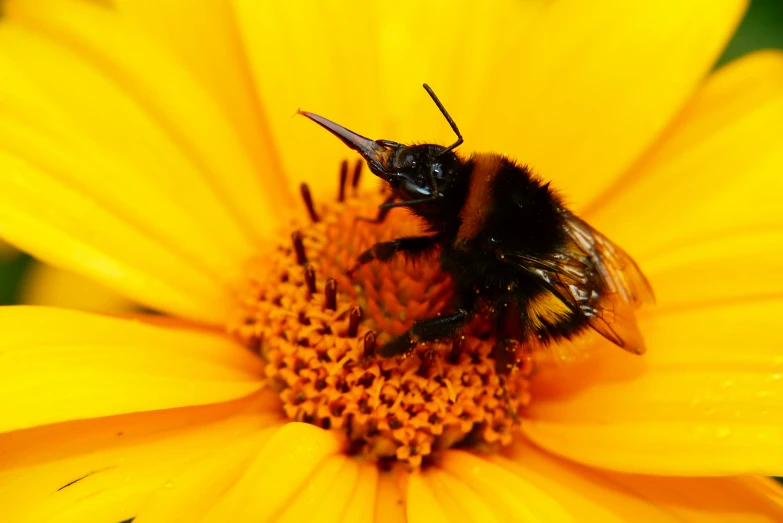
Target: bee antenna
448	119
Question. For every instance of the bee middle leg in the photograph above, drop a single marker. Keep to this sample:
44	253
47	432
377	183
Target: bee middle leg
425	330
385	251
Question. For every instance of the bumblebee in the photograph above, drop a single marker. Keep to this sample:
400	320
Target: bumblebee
514	251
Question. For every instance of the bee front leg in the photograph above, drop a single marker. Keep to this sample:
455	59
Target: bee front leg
384	251
425	330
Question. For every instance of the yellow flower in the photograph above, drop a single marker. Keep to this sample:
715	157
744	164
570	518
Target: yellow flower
151	146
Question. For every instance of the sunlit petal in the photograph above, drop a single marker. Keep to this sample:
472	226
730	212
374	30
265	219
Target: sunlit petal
280	471
594	83
706	399
391	500
199	486
108	468
596	495
716	170
208	43
127	57
423	505
369	76
509	496
458	501
88	366
326	493
362	503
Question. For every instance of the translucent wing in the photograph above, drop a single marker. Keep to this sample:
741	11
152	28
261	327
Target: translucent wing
616	268
595	279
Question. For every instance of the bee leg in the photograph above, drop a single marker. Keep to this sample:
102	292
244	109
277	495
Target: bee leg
510	410
505	355
425	330
509	328
383	212
384	251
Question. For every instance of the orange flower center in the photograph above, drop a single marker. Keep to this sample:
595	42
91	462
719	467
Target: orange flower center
317	329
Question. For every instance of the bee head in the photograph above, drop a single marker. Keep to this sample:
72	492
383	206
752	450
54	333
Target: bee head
419	175
420	172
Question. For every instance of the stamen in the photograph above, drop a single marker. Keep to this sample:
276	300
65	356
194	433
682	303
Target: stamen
308	199
310	279
330	293
357	173
369	345
301	257
343	180
353	325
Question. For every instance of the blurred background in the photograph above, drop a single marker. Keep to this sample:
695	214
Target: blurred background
23	280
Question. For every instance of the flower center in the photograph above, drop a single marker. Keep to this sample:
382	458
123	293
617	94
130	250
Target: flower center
317	329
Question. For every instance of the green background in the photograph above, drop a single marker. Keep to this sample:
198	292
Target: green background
762	28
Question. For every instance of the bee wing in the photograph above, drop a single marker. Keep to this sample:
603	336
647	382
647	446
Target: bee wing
616	268
595	279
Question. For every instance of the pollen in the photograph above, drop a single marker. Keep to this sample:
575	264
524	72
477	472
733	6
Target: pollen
316	321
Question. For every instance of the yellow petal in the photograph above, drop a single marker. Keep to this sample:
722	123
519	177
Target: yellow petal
180	234
594	83
392	501
423	506
734	499
208	42
706	399
281	470
362	503
327	492
181	105
715	172
107	469
703	211
368	76
517	79
586	493
60	365
509	496
456	499
69	104
596	495
196	488
43	284
67	227
736	266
